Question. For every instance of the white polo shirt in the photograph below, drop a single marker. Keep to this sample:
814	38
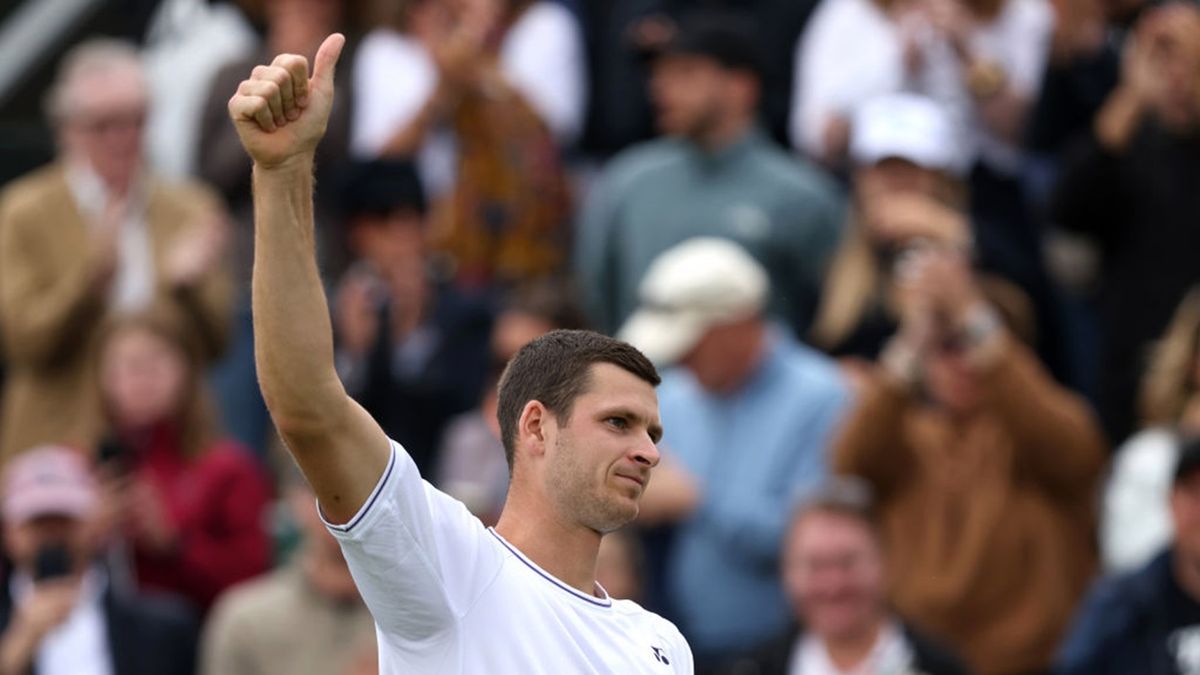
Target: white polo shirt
452	597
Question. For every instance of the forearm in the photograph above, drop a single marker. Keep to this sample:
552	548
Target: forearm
1056	435
1118	119
294	334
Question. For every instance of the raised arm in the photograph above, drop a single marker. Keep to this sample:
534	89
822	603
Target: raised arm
280	115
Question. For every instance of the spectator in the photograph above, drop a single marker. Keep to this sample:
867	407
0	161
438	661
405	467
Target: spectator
714	173
190	502
1136	523
491	89
411	350
471	464
834	568
1127	187
1083	68
622	32
745	390
92	235
985	471
59	615
293	27
983	59
909	192
305	618
1148	620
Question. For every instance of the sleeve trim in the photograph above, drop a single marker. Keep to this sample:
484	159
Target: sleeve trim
366	507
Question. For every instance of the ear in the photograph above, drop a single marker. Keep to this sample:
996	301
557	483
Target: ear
535	429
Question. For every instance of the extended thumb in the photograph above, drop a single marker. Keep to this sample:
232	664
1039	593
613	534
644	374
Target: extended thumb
327	58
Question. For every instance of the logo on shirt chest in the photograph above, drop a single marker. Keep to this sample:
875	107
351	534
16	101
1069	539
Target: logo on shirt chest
660	655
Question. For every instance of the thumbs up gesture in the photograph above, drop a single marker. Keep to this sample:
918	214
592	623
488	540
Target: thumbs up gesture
280	112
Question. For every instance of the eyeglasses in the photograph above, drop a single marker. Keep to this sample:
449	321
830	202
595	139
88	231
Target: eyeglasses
99	124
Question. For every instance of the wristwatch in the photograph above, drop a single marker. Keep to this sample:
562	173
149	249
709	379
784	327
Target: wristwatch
980	325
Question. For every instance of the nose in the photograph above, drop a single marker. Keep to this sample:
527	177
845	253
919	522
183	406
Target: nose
646	453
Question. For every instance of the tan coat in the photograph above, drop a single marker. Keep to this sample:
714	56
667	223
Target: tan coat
988	521
50	311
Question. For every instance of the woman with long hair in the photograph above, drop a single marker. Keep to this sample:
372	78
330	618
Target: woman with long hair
190	502
1135	523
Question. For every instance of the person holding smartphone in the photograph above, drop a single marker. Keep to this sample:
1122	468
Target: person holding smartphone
58	613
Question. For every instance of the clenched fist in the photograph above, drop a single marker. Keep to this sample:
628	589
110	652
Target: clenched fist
280	112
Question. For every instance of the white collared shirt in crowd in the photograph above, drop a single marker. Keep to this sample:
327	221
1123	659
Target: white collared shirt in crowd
890	655
133	286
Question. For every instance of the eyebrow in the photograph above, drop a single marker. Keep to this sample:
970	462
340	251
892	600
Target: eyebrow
653	428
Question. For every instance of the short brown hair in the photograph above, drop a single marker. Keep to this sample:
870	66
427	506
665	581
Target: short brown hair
555	369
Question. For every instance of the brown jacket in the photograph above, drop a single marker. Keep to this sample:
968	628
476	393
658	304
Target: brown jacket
50	311
988	521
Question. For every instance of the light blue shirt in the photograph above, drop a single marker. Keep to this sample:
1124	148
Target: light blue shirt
754	453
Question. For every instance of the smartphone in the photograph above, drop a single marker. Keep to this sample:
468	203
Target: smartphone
52	561
112	454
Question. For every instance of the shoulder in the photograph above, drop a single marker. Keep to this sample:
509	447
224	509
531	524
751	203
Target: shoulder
384	51
833	16
642	161
660	628
186	194
256	603
1116	604
159	615
543	18
1027	15
32	190
1150	451
810	370
802	181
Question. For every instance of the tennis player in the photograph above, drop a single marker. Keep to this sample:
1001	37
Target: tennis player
579	420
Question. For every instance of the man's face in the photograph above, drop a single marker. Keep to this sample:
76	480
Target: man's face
599	462
24	540
833	574
1185	515
104	122
718	360
690	94
892	176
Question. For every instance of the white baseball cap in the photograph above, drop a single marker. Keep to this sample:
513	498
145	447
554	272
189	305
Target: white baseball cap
907	126
703	282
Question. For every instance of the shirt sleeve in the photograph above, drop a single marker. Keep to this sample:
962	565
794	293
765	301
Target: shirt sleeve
544	56
393	79
1027	35
419	557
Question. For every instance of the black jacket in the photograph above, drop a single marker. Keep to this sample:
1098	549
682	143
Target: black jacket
146	635
929	658
1121	628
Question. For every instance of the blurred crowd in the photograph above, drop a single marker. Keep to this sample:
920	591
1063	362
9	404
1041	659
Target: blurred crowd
919	276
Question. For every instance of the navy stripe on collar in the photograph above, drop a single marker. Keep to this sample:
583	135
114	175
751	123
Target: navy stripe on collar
606	602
